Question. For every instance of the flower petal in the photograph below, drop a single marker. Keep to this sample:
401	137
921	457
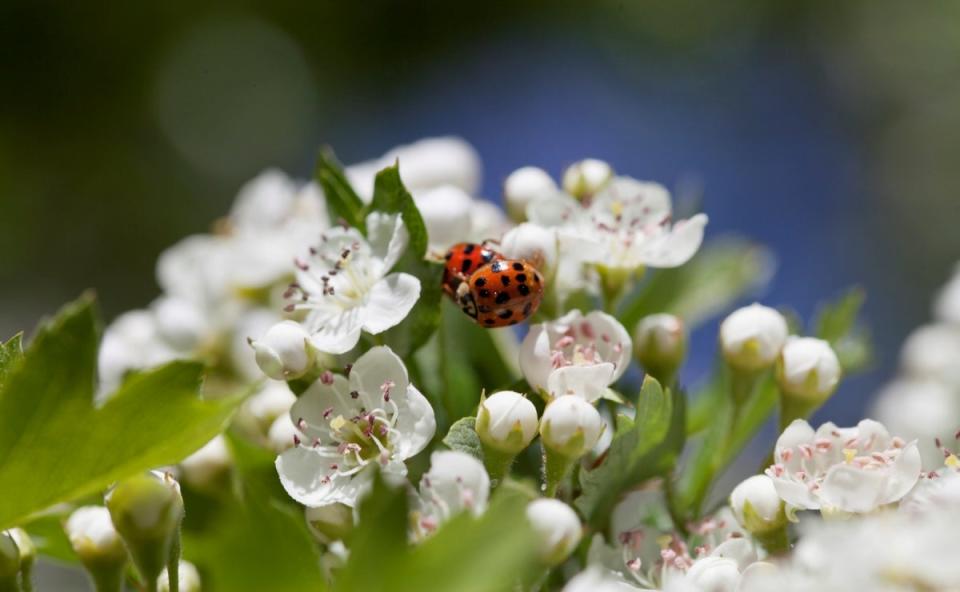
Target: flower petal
387	236
587	382
676	246
903	475
308	478
612	341
375	368
795	494
319	403
336	334
851	489
416	422
390	301
535	356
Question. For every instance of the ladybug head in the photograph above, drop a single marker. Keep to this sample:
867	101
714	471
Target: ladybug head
466	301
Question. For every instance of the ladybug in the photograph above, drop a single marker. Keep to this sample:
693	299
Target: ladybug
501	293
461	261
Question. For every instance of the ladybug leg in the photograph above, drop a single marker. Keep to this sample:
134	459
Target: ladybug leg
465	299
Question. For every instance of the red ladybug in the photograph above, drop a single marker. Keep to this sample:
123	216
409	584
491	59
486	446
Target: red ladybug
502	293
462	260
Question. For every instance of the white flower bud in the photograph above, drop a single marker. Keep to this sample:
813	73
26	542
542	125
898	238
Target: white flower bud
147	510
188	577
532	243
570	426
284	353
179	322
751	337
9	559
207	468
282	434
329	523
808	369
446	214
947	304
507	421
28	550
932	352
661	343
97	544
524	186
585	178
757	506
270	402
558	527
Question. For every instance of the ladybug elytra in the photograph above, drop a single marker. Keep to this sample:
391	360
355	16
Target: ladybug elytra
461	261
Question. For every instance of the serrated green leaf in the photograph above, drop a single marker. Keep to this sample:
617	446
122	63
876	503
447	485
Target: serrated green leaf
390	196
342	201
11	352
641	449
56	446
257	541
422	322
463	437
723	272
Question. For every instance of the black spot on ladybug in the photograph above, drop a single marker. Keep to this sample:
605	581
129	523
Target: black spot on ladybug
520	277
469	248
465	266
488	321
484	293
505	314
504	280
527	309
480	282
502	298
518	266
523	289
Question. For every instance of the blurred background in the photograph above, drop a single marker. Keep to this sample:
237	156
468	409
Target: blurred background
828	131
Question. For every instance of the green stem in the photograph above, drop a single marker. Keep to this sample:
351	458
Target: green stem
173	563
555	469
107	578
776	542
9	584
497	464
26	576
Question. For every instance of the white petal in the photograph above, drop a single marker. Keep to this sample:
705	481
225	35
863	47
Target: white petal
903	474
587	382
322	399
850	489
374	369
337	334
557	210
307	478
795	494
535	356
446	212
390	301
612	340
642	201
676	246
388	237
416	423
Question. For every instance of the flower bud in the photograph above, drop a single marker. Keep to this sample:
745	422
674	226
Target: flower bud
146	510
507	422
756	505
9	558
661	344
534	244
558	527
179	322
446	214
207	469
97	543
188	578
28	551
751	337
570	426
284	352
931	352
330	523
808	369
585	178
524	186
273	400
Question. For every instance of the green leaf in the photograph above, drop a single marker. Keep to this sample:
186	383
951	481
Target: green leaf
642	448
837	322
463	437
11	352
390	196
722	273
257	541
50	539
56	446
342	201
422	322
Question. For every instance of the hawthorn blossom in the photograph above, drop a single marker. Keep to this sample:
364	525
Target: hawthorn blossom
373	417
849	470
452	216
576	354
920	408
455	483
345	285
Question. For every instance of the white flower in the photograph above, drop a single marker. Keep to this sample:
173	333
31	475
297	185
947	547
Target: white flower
374	417
661	342
625	227
179	322
920	408
584	178
283	435
93	536
425	164
575	355
757	506
532	243
947	304
455	483
507	421
937	492
598	579
188	578
524	186
721	570
752	337
205	468
808	369
932	352
570	426
272	400
557	526
332	522
446	212
284	352
131	342
853	470
346	286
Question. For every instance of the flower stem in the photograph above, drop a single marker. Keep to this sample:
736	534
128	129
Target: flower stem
173	563
555	469
9	584
497	464
776	542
